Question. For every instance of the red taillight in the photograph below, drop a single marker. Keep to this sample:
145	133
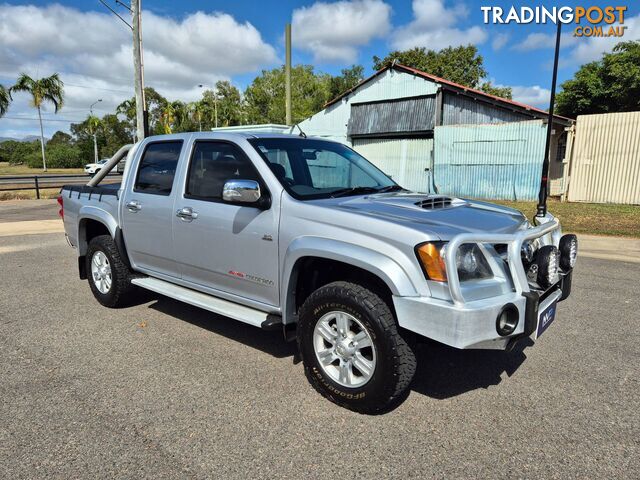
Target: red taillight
61	211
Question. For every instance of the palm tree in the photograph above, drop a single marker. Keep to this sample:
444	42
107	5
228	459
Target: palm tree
94	123
128	109
5	99
167	117
49	89
196	110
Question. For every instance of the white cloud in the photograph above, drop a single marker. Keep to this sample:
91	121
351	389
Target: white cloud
91	49
538	41
532	95
592	48
433	27
334	31
499	41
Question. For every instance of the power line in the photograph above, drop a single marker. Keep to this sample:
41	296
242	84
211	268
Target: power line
97	88
64	120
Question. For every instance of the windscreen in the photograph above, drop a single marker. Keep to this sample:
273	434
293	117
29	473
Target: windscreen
310	168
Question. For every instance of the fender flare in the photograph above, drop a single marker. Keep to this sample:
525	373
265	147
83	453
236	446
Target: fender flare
380	265
90	212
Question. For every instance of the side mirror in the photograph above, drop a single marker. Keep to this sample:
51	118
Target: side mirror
241	191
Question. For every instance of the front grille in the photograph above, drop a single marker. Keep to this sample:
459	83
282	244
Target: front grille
432	203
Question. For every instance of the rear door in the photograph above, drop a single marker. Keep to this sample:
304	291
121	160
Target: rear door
147	208
232	248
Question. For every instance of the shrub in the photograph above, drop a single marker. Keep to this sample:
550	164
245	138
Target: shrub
63	156
17	153
58	156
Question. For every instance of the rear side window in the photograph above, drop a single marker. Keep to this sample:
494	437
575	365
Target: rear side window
158	168
212	165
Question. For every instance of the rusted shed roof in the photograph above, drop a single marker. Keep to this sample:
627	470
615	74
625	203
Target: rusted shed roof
456	87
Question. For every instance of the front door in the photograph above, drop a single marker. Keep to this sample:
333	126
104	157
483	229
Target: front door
147	209
228	247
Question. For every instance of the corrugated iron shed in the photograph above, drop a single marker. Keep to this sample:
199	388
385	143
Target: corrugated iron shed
460	109
490	161
606	159
394	116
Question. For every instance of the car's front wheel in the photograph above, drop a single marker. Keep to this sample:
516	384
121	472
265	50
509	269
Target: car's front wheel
352	351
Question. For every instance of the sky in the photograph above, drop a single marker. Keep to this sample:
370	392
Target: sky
194	42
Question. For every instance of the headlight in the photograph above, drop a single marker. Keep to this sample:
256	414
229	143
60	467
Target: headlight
548	261
568	251
472	263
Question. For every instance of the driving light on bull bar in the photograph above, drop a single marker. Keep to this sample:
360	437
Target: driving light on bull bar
548	261
568	251
507	320
430	256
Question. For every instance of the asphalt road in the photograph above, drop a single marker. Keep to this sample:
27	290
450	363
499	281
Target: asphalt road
165	390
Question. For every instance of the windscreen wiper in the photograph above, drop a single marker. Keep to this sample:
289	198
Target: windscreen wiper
343	192
390	188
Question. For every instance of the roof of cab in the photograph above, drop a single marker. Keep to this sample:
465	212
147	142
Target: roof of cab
213	135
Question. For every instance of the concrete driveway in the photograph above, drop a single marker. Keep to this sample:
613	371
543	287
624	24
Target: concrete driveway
165	390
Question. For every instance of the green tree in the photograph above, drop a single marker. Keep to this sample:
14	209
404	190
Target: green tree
111	134
114	134
230	107
611	84
265	96
155	105
461	65
5	99
61	138
504	92
348	78
16	152
59	155
48	89
94	124
128	110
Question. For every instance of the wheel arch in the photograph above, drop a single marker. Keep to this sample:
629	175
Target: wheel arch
93	222
346	262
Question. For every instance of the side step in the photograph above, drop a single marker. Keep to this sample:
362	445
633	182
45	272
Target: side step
198	299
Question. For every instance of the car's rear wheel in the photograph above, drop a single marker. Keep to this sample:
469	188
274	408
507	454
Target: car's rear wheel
351	349
109	278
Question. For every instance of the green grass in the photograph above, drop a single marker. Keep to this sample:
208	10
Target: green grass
6	169
590	218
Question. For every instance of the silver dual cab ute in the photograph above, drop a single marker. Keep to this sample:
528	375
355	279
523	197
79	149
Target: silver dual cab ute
306	236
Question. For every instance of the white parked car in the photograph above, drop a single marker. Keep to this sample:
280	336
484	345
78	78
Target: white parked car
93	168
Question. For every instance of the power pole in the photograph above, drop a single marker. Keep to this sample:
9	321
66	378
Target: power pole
287	74
138	67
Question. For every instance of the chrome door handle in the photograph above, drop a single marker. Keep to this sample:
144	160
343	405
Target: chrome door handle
134	206
187	213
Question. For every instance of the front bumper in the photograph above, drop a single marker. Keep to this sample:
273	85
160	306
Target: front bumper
473	324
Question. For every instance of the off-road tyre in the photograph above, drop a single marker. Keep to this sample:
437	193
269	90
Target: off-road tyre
395	361
119	293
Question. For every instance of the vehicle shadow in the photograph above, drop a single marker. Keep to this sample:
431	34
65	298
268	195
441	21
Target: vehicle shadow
270	342
443	372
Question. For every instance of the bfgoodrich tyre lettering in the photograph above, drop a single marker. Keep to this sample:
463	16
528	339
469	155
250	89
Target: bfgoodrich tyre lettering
394	363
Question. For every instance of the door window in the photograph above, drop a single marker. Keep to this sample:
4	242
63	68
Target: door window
158	168
212	165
